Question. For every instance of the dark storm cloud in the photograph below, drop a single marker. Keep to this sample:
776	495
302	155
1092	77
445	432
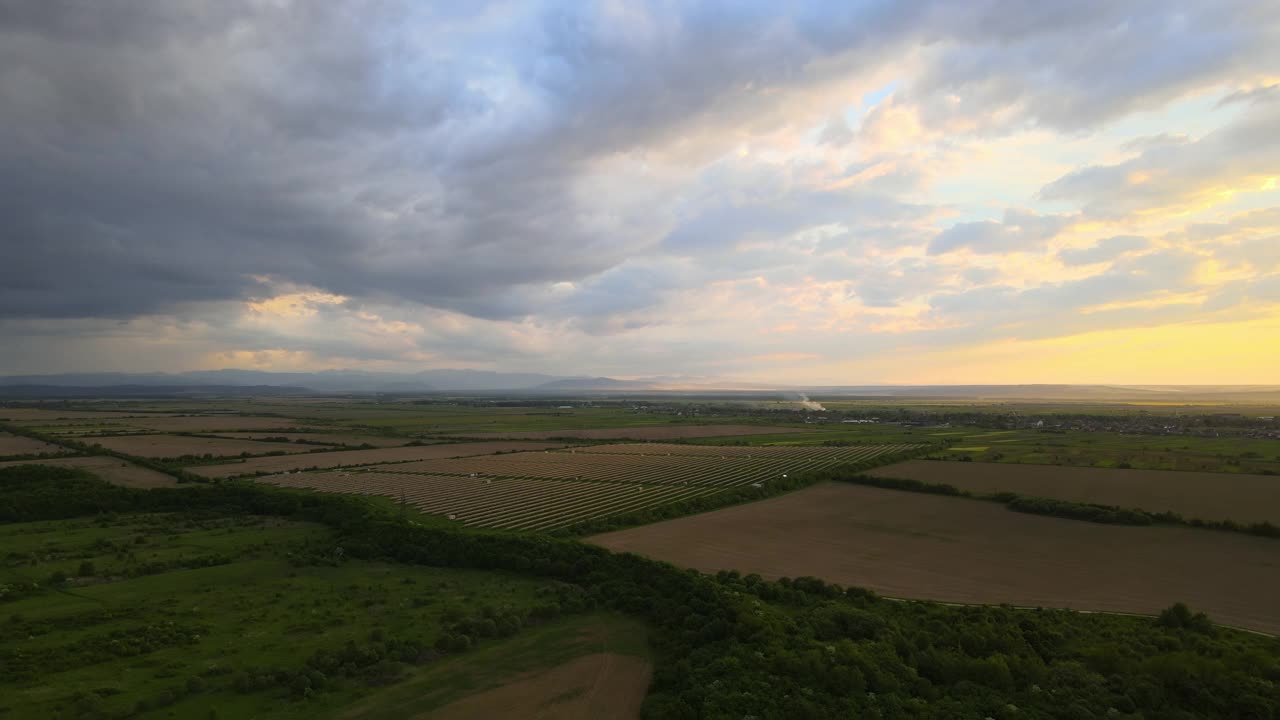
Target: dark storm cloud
157	154
161	153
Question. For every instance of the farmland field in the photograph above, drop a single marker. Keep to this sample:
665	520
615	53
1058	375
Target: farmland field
671	432
600	465
112	470
324	437
912	545
541	491
1075	448
36	416
132	422
846	453
1207	496
172	446
500	503
19	445
348	458
208	423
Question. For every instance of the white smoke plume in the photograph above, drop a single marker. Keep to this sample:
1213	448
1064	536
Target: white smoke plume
808	404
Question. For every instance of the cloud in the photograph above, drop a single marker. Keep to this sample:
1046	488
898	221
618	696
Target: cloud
836	132
1020	230
1072	67
393	183
1105	250
1171	178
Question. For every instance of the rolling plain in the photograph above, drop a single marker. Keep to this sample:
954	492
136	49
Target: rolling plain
748	494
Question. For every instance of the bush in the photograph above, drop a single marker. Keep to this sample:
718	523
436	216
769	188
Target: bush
1178	616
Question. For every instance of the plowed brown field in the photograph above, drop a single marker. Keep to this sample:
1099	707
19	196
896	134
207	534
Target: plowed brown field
172	446
110	469
19	445
350	458
657	468
329	438
36	416
913	545
1208	496
207	423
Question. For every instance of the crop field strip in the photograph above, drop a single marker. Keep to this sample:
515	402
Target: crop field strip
498	503
537	491
350	458
1240	497
655	469
160	446
845	453
646	432
19	445
110	469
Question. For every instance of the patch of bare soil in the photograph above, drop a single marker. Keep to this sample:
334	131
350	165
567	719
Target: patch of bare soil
602	686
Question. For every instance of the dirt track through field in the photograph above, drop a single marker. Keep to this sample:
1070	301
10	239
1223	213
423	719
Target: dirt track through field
912	545
602	686
1208	496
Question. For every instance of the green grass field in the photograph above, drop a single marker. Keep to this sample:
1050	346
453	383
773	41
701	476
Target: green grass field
168	615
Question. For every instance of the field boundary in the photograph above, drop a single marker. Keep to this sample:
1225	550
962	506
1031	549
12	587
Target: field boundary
1039	608
735	495
1088	512
80	449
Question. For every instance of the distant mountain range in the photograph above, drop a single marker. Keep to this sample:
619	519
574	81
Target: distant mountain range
323	381
360	381
250	382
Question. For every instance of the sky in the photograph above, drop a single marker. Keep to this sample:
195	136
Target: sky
962	191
